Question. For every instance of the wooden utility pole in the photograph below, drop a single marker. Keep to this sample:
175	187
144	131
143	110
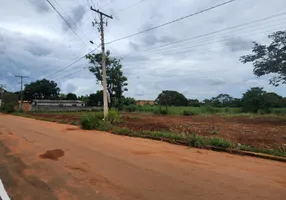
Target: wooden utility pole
101	24
21	102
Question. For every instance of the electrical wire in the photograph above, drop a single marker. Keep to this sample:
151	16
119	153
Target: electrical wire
193	48
205	10
171	22
108	3
64	68
210	39
208	34
130	6
72	22
66	22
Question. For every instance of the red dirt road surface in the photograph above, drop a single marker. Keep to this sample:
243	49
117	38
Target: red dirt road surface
44	160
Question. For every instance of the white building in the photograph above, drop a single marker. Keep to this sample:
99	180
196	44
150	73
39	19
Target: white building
59	103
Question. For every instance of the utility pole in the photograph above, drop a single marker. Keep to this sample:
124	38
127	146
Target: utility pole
101	24
21	103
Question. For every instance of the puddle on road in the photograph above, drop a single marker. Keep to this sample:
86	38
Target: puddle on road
52	154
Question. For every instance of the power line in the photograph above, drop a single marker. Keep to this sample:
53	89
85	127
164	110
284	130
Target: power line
193	48
75	67
149	30
173	21
130	6
66	22
72	63
205	40
211	33
108	3
71	21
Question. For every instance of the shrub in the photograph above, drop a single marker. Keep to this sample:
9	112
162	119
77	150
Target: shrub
113	117
123	131
130	108
160	112
104	126
162	134
9	108
196	141
189	113
210	110
91	121
219	142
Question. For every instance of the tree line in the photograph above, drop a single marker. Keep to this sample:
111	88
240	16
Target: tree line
252	100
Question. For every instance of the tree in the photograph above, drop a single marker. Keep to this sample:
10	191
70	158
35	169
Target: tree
95	99
127	101
194	103
171	98
116	81
253	99
9	97
84	98
41	89
71	96
272	100
9	101
62	96
270	59
225	100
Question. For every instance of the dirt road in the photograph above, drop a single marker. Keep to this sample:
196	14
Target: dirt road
94	165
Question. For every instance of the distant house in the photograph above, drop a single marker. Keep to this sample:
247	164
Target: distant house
57	105
144	102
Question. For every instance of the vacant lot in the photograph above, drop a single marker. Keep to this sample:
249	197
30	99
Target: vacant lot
259	131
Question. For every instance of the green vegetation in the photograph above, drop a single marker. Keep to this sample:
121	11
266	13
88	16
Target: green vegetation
91	121
187	110
116	81
269	59
94	121
10	100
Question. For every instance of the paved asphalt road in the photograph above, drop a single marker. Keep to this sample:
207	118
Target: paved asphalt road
43	160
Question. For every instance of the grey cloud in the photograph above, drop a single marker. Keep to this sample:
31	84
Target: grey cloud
216	81
76	17
134	46
238	44
71	88
38	50
40	6
78	13
152	39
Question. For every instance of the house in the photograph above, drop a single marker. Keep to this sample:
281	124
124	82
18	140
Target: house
145	102
57	105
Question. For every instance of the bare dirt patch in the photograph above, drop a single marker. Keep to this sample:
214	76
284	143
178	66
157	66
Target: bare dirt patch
262	132
52	154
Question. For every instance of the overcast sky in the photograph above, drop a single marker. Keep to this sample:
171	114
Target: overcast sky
37	43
